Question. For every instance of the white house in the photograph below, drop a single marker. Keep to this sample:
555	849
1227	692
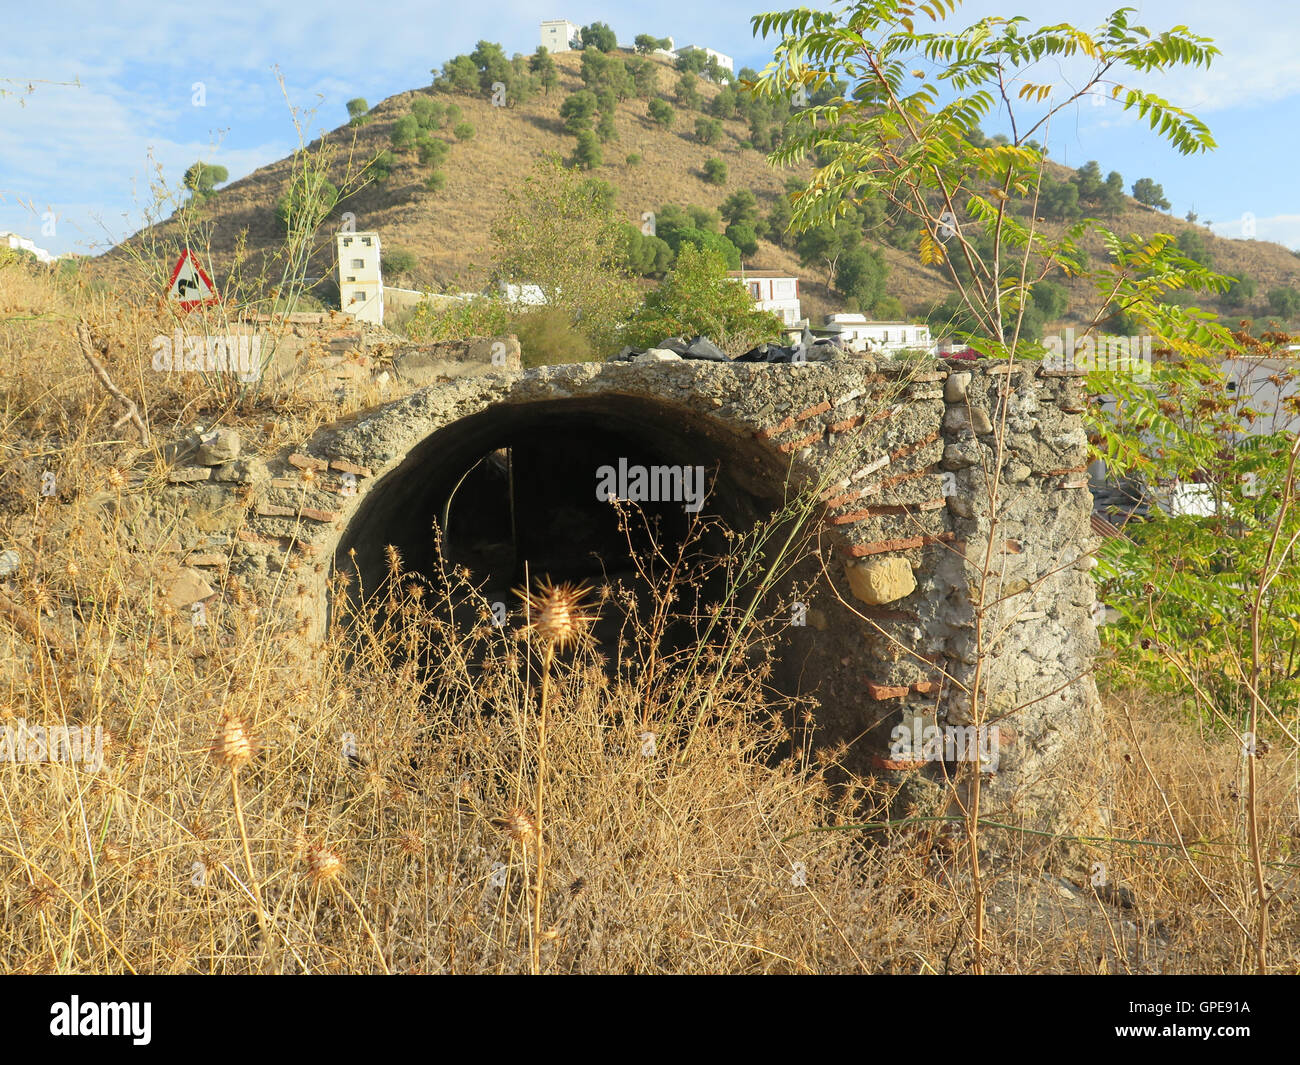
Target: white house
560	35
772	291
1265	385
724	61
18	243
858	333
361	288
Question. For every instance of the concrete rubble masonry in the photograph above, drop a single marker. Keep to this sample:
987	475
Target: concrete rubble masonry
897	458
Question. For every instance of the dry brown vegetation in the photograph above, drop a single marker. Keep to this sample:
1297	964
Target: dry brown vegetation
730	847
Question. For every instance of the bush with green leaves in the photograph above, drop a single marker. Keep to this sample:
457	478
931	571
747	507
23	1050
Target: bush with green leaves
742	235
708	130
405	131
697	297
862	273
599	36
661	113
715	171
645	44
543	68
548	337
428	112
577	110
436	181
587	154
557	231
357	108
1147	192
633	159
382	166
688	92
201	178
433	152
645	255
463	131
398	262
1284	302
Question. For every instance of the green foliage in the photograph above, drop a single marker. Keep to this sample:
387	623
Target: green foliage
1147	192
577	110
463	131
740	206
433	152
405	130
742	235
645	255
862	273
1192	244
598	35
633	159
453	114
605	128
543	66
645	76
454	320
357	108
398	262
692	62
459	74
201	177
1240	292
587	154
1284	302
688	91
607	73
429	113
556	231
715	171
547	337
708	130
887	309
307	202
1059	200
661	113
436	181
697	297
382	166
724	104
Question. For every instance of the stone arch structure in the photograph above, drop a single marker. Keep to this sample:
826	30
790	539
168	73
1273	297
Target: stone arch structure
903	460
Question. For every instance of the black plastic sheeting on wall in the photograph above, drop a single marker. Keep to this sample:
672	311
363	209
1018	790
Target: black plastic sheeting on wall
807	349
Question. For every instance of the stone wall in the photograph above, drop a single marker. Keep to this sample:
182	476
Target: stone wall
905	460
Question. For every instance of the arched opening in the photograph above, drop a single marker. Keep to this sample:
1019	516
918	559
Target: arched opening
515	491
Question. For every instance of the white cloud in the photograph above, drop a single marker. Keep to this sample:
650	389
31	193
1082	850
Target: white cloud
1283	229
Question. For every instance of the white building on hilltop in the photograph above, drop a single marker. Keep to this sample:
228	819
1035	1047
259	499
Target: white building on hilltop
724	61
13	240
560	35
860	334
772	291
361	288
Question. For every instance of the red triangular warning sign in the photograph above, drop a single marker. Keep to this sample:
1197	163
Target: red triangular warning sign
190	286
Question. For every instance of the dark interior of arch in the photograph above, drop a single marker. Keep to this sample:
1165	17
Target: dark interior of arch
513	490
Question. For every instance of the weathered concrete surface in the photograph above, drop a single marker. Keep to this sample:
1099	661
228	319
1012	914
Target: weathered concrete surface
933	575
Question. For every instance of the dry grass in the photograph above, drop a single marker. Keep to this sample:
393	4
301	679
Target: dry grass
386	805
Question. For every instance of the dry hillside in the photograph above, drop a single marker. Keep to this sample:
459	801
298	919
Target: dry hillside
448	230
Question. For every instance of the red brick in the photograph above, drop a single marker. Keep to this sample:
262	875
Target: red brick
320	515
821	408
847	424
306	462
886	691
860	550
775	430
795	445
344	466
270	510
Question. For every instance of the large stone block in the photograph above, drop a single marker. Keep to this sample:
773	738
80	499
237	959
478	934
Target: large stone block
882	580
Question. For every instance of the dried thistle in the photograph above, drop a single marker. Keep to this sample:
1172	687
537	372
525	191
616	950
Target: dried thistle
232	746
518	824
556	614
323	866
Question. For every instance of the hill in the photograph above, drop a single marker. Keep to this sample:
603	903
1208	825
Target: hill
447	229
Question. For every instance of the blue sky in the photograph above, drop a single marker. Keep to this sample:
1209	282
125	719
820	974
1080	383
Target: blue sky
79	159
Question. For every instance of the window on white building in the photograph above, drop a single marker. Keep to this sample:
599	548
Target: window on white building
358	297
365	241
358	264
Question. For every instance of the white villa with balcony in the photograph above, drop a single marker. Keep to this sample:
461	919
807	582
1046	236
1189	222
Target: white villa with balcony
772	291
